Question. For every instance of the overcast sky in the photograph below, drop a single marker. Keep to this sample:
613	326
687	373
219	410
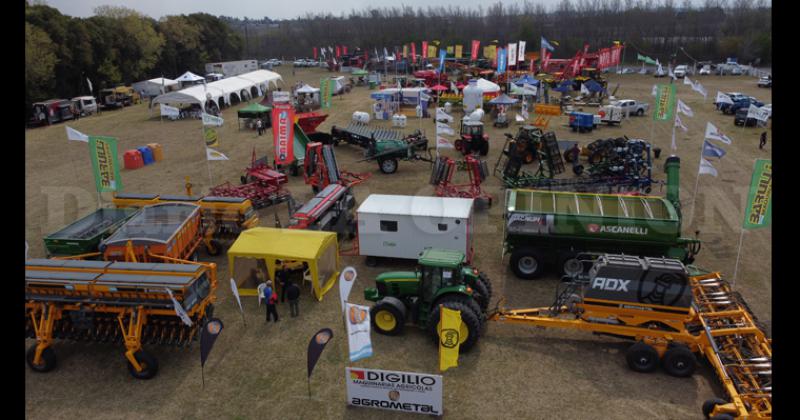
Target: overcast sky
255	9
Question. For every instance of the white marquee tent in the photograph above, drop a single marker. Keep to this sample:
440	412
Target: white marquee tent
226	91
190	78
153	87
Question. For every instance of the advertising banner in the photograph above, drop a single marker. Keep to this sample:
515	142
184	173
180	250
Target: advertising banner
424	49
397	391
474	53
103	153
459	50
413	52
665	102
758	212
543	109
358	329
211	136
212	120
283	132
325	93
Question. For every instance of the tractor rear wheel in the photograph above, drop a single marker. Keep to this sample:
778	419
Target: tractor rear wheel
48	361
148	363
486	282
481	295
527	263
467	301
387	318
679	361
388	166
470	324
642	357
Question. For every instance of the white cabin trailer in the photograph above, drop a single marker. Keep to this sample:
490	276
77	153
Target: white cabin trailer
232	68
403	226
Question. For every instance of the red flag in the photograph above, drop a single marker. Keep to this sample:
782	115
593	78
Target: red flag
546	61
414	52
338	52
615	55
344	49
315	53
424	49
283	132
532	69
475	45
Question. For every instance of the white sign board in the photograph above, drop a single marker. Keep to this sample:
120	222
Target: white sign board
281	96
397	391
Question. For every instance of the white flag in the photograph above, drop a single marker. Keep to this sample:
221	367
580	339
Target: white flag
358	331
73	134
706	168
212	154
521	51
723	98
212	120
512	54
697	87
763	114
235	291
655	90
753	111
714	134
671	74
674	145
443	143
443	116
679	123
443	128
453	87
179	309
169	111
531	89
686	81
683	108
585	90
90	84
346	280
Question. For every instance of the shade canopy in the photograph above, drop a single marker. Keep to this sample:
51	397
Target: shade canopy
307	89
503	100
487	86
155	86
253	110
190	77
360	72
440	88
224	90
318	249
527	79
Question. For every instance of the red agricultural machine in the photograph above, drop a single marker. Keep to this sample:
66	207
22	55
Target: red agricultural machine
320	168
330	210
442	177
472	138
431	77
261	184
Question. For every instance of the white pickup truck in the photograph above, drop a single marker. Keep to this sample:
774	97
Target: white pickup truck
632	107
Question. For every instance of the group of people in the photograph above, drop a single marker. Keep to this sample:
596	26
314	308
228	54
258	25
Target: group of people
288	289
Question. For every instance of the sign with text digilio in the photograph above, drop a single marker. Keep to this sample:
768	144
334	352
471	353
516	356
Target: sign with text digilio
391	390
281	96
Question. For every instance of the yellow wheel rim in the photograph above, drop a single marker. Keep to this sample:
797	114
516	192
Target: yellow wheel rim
463	331
385	320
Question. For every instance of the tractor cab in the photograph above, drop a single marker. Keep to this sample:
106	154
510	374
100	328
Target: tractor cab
472	138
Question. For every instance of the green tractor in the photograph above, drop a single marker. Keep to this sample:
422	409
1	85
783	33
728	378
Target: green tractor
442	279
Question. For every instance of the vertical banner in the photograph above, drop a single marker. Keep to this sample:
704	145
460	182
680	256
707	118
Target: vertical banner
665	102
511	56
449	338
424	49
358	330
431	51
283	132
325	93
501	61
459	50
235	291
344	49
103	153
315	53
414	52
405	51
211	136
474	52
346	281
207	338
315	347
521	57
450	49
442	55
758	211
338	51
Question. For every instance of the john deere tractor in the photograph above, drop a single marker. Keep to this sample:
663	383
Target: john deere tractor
441	279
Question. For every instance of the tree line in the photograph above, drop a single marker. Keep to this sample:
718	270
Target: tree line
117	45
713	30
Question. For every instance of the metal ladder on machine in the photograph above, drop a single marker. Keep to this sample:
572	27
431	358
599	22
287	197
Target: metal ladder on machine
552	155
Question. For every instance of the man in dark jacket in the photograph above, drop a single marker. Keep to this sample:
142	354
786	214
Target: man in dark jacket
283	279
294	297
763	141
272	299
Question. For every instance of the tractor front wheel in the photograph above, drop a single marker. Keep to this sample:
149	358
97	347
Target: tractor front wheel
148	363
468	333
387	318
48	359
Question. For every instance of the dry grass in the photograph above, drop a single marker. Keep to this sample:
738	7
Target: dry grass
258	370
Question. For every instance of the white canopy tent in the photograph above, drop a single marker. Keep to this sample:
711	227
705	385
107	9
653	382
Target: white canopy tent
190	78
226	91
487	86
307	89
153	87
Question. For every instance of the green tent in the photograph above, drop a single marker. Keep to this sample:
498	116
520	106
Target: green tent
256	110
360	72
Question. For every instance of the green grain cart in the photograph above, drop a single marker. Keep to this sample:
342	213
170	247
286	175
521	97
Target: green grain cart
84	235
559	228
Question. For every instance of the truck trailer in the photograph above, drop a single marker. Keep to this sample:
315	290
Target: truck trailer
404	226
548	227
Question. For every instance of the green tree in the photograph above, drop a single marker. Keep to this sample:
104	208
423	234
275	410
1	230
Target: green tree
40	60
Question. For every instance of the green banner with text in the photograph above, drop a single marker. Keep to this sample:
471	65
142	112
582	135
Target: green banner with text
665	102
103	152
758	212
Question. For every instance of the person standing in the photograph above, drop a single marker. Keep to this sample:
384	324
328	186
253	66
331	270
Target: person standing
272	303
283	280
763	141
259	126
294	297
266	295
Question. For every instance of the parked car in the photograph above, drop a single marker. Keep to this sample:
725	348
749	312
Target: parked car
706	70
680	71
631	106
736	71
51	112
743	103
86	105
765	81
741	118
275	62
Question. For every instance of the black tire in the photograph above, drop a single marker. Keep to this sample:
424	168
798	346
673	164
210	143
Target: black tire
577	170
215	248
481	295
679	361
709	405
49	360
315	189
640	112
574	129
468	317
642	357
469	302
570	266
388	166
527	263
149	365
484	149
482	277
384	310
371	261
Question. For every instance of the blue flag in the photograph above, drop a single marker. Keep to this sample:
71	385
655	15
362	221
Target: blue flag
710	150
442	55
547	45
501	61
564	87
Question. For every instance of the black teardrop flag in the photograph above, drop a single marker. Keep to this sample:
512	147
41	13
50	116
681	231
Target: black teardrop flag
207	338
315	347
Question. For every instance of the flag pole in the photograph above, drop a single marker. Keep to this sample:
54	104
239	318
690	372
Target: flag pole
738	256
696	185
203	375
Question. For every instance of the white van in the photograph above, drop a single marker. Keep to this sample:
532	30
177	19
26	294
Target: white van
680	71
86	105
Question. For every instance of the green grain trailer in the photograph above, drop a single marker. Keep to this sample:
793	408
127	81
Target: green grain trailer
84	235
548	227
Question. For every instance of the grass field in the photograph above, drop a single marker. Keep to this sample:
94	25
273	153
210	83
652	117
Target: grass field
258	370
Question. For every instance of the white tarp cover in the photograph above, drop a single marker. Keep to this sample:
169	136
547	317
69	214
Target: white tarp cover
487	86
221	89
189	77
153	87
307	89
